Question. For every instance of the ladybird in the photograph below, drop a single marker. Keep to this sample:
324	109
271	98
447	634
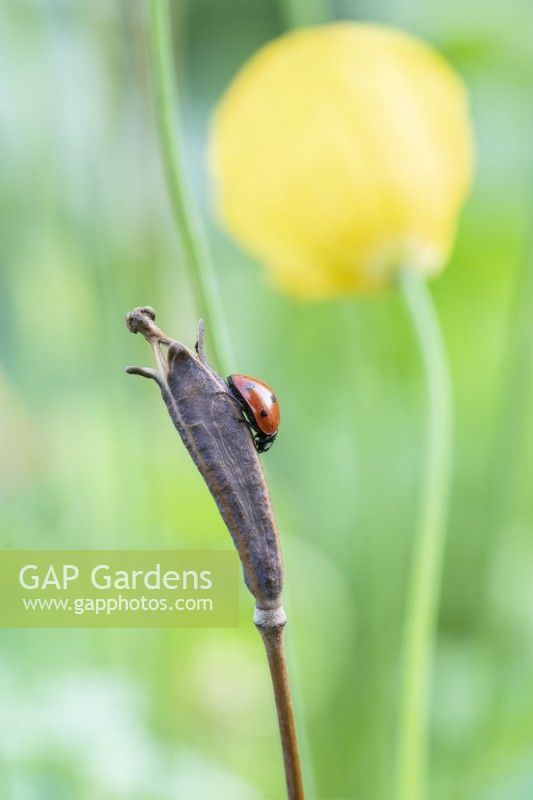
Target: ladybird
260	408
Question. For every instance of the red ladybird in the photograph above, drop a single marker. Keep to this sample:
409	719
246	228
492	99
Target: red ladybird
260	408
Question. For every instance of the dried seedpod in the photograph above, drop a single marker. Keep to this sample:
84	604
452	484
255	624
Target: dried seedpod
209	419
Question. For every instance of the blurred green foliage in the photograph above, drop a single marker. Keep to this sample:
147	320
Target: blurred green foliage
89	458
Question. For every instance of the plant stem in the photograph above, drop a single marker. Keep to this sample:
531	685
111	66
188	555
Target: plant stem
195	251
207	297
425	577
299	13
275	649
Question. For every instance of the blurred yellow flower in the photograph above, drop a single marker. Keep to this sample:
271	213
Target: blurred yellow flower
340	154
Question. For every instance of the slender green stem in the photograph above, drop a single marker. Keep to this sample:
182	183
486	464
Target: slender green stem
202	277
195	251
298	13
425	577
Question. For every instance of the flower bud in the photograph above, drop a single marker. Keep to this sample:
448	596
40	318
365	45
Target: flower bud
341	154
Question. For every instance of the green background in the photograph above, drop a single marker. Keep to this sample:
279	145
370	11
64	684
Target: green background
90	459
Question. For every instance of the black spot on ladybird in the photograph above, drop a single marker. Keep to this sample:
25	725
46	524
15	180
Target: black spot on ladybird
264	413
273	398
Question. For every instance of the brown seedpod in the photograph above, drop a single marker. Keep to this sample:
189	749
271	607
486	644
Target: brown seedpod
210	422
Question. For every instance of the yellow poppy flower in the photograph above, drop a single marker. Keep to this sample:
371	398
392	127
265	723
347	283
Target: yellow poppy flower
340	154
